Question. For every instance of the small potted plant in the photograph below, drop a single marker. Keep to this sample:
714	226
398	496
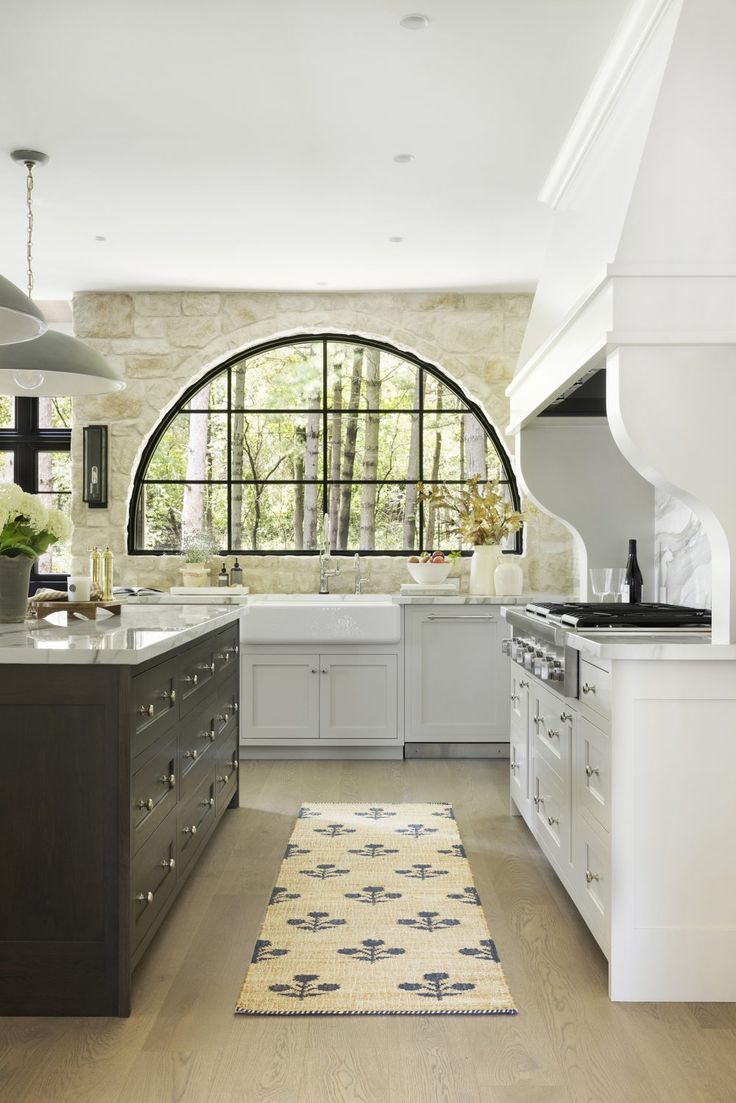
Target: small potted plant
197	550
479	514
27	529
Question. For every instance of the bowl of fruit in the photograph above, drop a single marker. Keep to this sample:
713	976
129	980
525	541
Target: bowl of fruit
429	570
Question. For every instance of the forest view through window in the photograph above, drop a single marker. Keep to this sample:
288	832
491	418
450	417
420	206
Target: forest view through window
257	454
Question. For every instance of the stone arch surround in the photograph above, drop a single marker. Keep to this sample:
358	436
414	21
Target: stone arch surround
164	341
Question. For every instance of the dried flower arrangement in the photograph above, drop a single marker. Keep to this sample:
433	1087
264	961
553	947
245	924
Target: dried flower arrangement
479	512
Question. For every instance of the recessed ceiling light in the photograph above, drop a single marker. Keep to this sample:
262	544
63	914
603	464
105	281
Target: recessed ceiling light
396	240
99	237
404	158
322	283
414	22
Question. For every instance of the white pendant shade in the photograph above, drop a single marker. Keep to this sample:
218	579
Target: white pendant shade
56	365
20	318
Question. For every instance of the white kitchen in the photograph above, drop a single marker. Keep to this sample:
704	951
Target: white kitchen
367	543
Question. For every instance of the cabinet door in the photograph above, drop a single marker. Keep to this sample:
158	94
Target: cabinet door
456	676
358	697
519	755
280	698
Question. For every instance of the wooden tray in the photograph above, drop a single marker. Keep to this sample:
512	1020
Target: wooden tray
86	609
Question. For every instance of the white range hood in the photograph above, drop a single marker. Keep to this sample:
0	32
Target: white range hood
640	275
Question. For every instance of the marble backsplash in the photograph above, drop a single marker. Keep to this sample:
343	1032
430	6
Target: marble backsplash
682	550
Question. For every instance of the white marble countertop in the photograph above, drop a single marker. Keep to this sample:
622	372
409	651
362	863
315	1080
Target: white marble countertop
609	644
139	634
398	599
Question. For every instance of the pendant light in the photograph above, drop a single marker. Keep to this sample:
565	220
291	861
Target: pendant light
52	365
20	319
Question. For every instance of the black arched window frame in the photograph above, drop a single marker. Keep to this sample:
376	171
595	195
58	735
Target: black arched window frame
296	339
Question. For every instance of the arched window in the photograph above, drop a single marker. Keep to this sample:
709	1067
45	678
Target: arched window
256	453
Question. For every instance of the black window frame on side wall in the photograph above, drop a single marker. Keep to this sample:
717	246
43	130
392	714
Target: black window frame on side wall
323	338
26	440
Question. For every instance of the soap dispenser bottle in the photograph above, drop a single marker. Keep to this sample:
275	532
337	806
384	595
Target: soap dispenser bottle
236	574
222	578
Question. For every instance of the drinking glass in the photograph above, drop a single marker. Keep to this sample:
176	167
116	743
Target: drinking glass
600	581
618	577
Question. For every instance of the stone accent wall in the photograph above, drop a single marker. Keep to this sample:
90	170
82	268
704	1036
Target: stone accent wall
164	341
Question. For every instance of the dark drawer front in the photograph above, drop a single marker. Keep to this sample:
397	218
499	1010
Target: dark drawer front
196	675
227	649
227	706
153	879
154	790
154	705
195	820
226	771
197	735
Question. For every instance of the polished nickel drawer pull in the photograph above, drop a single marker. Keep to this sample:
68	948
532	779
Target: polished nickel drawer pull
170	697
538	801
478	616
514	696
189	830
538	719
191	678
207	666
592	876
146	710
224	779
168	779
523	685
145	897
565	716
552	732
552	820
514	765
147	804
194	755
211	734
208	803
231	650
588	687
591	770
168	863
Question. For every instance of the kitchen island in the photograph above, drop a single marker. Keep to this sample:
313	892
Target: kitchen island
119	747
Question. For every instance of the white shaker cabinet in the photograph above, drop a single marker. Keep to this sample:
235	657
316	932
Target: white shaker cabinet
456	677
281	698
311	698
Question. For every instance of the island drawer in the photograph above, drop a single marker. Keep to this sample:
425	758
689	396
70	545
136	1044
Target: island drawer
154	790
226	771
227	649
197	735
153	705
551	815
196	673
195	819
227	705
153	878
593	772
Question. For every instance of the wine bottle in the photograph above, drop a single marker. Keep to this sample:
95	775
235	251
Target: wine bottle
633	582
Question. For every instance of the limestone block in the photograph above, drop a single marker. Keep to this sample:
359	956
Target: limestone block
239	310
189	332
519	305
140	346
158	304
108	315
197	302
513	334
147	367
149	327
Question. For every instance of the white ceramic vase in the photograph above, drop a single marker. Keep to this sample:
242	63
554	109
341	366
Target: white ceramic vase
508	577
482	568
14	575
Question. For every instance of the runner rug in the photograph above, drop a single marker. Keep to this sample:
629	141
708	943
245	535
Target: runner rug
375	913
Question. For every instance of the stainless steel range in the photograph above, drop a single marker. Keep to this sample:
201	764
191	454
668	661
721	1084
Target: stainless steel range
540	640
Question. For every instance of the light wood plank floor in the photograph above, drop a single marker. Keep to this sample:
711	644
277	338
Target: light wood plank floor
569	1044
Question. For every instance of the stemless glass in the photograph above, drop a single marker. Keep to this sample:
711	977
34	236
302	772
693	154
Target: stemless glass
600	581
618	577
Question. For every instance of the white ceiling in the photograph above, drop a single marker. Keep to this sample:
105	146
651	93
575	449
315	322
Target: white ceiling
250	143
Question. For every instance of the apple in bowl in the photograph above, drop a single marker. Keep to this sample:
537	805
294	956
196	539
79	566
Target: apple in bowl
429	570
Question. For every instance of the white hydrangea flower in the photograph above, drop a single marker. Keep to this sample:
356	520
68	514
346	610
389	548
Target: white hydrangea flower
59	525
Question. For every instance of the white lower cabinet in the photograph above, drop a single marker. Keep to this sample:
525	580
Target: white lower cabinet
316	698
456	677
560	747
358	695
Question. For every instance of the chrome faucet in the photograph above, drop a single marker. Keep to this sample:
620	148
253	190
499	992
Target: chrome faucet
359	578
325	573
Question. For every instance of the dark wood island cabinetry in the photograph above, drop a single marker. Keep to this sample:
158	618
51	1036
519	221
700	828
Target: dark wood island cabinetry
112	780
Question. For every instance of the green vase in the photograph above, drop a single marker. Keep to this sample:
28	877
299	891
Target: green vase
15	572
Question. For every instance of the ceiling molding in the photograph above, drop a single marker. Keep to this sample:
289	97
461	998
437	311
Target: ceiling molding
632	38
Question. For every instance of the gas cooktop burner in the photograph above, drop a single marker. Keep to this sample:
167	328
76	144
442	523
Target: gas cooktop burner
604	614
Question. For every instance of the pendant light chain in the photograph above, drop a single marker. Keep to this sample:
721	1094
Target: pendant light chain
29	226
